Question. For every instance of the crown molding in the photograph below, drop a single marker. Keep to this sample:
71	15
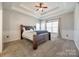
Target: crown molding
53	9
50	13
58	13
23	11
46	16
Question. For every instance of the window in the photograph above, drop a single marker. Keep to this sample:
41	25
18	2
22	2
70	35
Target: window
52	26
49	26
42	25
37	26
55	27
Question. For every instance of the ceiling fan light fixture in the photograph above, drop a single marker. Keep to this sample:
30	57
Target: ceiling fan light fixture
40	9
41	6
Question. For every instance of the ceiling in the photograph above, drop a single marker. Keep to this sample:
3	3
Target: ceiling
54	8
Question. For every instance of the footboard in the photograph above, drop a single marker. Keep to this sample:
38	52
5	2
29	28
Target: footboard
39	39
42	38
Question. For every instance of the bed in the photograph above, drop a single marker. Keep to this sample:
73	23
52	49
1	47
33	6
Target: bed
36	37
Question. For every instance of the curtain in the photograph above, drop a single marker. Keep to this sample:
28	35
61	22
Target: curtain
59	28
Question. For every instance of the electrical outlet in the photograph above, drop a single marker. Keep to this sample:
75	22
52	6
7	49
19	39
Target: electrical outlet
67	35
7	36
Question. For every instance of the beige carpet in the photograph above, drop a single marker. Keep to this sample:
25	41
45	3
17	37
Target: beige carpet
56	48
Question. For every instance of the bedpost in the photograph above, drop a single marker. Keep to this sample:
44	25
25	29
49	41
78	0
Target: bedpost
21	26
35	43
49	35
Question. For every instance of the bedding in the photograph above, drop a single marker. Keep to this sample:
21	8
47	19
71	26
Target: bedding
28	34
41	31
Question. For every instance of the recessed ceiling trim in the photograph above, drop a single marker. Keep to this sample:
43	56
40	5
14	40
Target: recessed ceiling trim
50	10
47	14
22	11
26	8
57	14
29	11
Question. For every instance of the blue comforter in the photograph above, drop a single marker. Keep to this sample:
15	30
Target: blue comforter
40	32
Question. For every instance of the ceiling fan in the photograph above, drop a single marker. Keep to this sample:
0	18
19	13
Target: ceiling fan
41	6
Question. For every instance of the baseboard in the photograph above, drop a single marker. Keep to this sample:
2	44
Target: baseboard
10	40
76	45
74	42
0	51
66	39
9	36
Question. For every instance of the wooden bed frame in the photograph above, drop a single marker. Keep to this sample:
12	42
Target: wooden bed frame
37	39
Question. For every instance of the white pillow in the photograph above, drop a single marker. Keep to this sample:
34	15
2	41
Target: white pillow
24	29
31	29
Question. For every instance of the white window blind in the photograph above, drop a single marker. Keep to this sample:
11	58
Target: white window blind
52	26
55	27
42	25
37	26
49	26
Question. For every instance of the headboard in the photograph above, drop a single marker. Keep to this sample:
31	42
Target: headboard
26	28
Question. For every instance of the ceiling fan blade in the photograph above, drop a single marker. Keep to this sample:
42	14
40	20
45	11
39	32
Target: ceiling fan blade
37	9
42	10
41	4
37	6
45	7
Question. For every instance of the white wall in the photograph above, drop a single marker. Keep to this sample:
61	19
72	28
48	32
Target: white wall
76	28
67	25
11	24
0	27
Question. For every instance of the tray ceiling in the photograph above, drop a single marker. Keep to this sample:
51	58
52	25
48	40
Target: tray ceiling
54	8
